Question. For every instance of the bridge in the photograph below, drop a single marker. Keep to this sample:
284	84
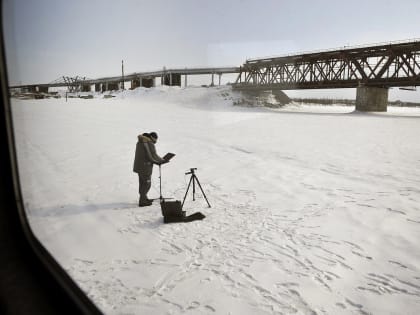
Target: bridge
170	77
371	69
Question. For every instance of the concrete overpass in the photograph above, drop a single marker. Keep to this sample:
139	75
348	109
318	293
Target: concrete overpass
170	77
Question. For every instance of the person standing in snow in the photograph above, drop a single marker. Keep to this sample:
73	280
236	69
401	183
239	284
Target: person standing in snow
144	159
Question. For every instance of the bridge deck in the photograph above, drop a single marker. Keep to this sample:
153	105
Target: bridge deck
384	65
136	75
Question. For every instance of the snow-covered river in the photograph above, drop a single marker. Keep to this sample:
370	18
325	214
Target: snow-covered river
315	210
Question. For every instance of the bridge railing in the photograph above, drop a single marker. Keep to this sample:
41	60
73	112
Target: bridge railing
346	47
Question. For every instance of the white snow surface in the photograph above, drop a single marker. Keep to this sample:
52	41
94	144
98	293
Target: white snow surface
314	209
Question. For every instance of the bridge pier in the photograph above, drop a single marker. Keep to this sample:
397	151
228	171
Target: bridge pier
371	99
86	88
147	82
112	86
144	82
43	89
29	89
172	79
135	83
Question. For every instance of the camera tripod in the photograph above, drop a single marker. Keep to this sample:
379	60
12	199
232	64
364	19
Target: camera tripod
194	179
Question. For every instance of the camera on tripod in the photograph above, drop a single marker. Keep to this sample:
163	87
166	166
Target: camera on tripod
193	180
172	210
191	171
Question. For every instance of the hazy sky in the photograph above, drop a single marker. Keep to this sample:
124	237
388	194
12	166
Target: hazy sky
47	39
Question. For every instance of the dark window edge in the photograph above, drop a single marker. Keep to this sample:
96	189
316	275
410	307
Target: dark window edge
25	264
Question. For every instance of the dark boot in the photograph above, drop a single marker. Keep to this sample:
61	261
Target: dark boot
145	200
145	203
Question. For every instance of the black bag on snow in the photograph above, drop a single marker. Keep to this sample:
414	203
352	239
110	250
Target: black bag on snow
172	212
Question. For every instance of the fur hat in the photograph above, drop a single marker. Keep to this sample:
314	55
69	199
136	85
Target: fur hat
153	135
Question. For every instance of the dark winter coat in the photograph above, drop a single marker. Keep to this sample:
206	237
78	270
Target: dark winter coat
145	156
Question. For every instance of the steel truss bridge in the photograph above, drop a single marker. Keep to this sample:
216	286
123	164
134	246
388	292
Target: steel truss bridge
394	64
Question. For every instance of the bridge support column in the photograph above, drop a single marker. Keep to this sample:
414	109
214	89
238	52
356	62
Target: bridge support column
112	86
212	79
185	80
135	83
43	89
147	82
172	79
86	88
371	99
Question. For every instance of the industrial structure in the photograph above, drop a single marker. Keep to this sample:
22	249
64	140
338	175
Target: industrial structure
372	70
170	77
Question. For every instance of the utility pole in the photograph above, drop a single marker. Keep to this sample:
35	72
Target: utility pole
122	74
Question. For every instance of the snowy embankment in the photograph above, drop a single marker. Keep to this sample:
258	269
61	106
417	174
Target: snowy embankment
315	210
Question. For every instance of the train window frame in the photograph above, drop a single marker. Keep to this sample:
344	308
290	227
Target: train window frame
31	279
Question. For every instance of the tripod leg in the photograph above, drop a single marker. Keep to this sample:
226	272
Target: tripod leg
186	191
199	185
193	181
160	185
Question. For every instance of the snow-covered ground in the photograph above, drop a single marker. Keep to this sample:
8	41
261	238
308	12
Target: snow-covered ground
315	209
